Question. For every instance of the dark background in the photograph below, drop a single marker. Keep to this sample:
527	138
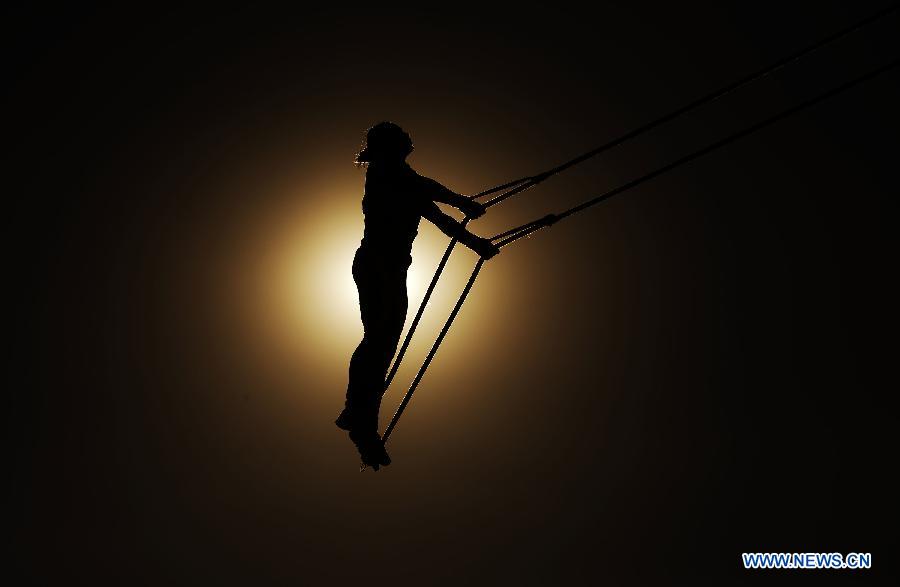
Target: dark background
696	369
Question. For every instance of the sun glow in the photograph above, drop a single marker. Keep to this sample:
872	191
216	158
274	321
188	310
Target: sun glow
310	283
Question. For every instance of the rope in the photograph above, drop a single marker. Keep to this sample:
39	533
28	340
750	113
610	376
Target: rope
431	353
500	187
415	323
702	101
520	185
514	234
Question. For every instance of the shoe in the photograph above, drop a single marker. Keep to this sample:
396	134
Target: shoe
371	449
344	421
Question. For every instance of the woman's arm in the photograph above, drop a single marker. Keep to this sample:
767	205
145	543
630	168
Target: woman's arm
454	229
439	193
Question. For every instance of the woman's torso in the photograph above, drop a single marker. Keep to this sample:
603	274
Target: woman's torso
392	210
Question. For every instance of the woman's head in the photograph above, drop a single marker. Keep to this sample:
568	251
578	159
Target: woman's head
385	142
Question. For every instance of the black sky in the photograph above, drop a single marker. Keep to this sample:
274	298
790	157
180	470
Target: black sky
699	368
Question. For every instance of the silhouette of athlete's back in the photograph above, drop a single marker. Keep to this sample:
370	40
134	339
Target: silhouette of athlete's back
396	198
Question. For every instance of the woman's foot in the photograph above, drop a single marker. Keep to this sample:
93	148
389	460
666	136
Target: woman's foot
371	449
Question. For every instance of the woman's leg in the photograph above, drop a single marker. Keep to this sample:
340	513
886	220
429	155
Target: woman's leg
383	305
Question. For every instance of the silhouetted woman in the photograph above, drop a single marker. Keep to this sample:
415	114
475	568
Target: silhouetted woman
396	198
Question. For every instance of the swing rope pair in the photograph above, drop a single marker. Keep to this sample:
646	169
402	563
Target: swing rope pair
515	187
